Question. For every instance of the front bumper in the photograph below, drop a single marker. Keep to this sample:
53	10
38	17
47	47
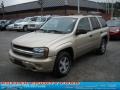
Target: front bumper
9	28
33	28
115	35
42	65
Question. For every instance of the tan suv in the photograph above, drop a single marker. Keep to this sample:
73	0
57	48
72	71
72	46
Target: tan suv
59	42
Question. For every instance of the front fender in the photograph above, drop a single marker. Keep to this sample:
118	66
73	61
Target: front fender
62	47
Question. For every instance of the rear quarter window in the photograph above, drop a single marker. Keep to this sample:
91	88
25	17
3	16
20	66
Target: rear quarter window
95	23
102	21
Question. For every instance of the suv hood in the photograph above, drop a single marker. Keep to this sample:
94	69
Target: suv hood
10	25
22	23
37	39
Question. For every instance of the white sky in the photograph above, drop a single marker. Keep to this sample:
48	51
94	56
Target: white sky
13	2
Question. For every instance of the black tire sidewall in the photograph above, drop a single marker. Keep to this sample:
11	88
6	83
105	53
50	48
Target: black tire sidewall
25	28
56	70
100	49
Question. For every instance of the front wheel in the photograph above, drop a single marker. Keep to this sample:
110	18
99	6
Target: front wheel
103	47
25	28
62	64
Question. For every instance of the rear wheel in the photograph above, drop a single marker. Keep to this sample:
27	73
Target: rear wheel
103	47
62	64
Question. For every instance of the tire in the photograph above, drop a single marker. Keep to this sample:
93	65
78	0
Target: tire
62	64
102	48
18	30
25	28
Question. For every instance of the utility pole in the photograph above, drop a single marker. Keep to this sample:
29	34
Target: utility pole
97	7
3	10
112	9
106	6
78	6
41	6
65	6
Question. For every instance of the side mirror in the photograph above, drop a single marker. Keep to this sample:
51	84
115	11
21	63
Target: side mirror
81	31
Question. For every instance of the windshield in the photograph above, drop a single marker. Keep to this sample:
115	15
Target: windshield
27	19
113	23
38	19
8	22
59	25
17	21
2	22
34	19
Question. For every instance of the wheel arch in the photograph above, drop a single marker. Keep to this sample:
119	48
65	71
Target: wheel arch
106	38
25	25
67	49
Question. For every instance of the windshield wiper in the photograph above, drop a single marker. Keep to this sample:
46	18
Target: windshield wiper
55	31
51	31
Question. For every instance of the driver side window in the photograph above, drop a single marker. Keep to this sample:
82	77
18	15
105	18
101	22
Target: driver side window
84	24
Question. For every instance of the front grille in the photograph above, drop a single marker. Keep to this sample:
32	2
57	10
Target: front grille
22	51
22	48
22	54
32	25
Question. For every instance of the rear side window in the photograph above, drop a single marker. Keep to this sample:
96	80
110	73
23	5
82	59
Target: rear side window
95	23
102	21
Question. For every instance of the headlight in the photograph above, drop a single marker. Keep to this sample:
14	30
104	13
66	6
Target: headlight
40	52
117	30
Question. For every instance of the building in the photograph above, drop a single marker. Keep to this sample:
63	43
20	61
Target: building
51	7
